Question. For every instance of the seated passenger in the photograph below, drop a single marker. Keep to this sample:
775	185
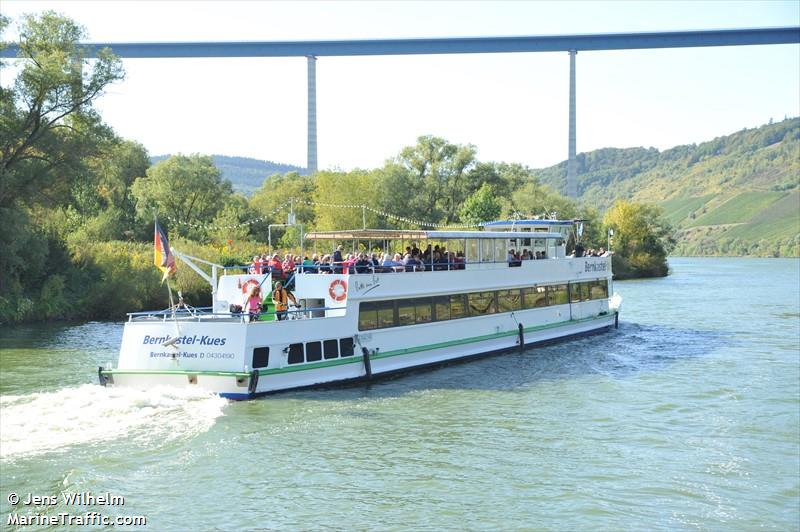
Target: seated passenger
347	264
363	264
255	266
324	265
397	263
412	264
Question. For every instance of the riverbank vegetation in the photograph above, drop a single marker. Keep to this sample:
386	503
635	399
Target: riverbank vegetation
77	202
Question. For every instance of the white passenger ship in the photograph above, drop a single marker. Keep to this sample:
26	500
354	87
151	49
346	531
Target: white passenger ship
361	326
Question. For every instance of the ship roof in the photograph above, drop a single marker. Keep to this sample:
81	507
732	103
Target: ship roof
410	234
524	223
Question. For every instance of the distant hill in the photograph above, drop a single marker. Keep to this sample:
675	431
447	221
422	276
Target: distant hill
735	195
245	174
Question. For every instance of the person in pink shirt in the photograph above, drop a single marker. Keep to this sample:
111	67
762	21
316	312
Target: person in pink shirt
253	303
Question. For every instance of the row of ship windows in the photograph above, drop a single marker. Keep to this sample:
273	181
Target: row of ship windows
401	312
307	352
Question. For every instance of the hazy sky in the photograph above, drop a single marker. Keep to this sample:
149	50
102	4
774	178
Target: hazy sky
513	107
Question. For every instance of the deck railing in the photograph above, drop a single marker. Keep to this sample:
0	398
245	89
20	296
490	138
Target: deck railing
206	313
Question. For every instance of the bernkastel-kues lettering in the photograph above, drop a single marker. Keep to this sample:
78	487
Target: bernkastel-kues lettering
184	340
596	266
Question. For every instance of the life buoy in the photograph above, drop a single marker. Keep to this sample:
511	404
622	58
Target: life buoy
338	289
248	284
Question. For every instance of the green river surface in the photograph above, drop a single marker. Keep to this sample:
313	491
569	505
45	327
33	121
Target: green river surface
686	418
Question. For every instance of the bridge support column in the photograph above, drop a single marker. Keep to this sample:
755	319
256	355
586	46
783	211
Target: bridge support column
572	184
311	154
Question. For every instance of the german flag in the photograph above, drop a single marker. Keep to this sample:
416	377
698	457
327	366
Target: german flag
163	259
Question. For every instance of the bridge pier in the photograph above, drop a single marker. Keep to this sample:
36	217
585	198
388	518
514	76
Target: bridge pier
572	184
311	154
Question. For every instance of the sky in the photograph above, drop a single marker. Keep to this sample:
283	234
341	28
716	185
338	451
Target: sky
512	107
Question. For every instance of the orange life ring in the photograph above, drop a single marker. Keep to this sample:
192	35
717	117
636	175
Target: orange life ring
338	289
249	283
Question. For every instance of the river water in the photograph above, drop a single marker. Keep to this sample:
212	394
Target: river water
687	417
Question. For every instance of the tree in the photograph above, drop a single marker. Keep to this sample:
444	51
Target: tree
351	189
187	190
48	130
436	171
47	124
269	204
642	239
482	206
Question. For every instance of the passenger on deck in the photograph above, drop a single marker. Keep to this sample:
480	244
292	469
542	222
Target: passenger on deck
255	266
252	303
579	251
363	264
349	262
325	265
308	264
397	263
280	298
276	267
337	260
289	264
412	264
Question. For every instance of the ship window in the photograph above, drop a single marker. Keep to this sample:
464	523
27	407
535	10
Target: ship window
579	292
295	353
487	250
557	294
481	303
367	316
534	297
313	351
599	289
509	300
330	348
386	316
458	306
405	312
501	249
346	347
260	357
442	307
423	310
472	250
526	241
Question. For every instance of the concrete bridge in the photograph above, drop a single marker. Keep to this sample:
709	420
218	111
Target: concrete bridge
572	44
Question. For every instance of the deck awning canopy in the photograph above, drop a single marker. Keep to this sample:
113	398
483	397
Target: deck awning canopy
408	234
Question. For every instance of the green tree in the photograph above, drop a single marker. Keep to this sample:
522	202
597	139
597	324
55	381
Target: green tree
437	171
482	206
269	204
48	130
186	190
47	124
352	189
642	239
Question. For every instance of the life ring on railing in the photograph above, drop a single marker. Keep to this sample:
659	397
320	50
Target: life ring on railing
248	284
338	290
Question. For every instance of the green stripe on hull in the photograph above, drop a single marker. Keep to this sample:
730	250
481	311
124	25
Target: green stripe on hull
356	358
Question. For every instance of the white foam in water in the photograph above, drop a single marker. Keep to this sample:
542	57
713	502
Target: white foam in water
42	422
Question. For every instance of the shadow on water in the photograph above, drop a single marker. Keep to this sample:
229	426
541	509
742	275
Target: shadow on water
631	349
101	335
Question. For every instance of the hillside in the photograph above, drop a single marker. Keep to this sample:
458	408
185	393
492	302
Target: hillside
245	174
735	195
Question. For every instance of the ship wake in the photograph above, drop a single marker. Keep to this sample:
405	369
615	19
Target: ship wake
90	415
